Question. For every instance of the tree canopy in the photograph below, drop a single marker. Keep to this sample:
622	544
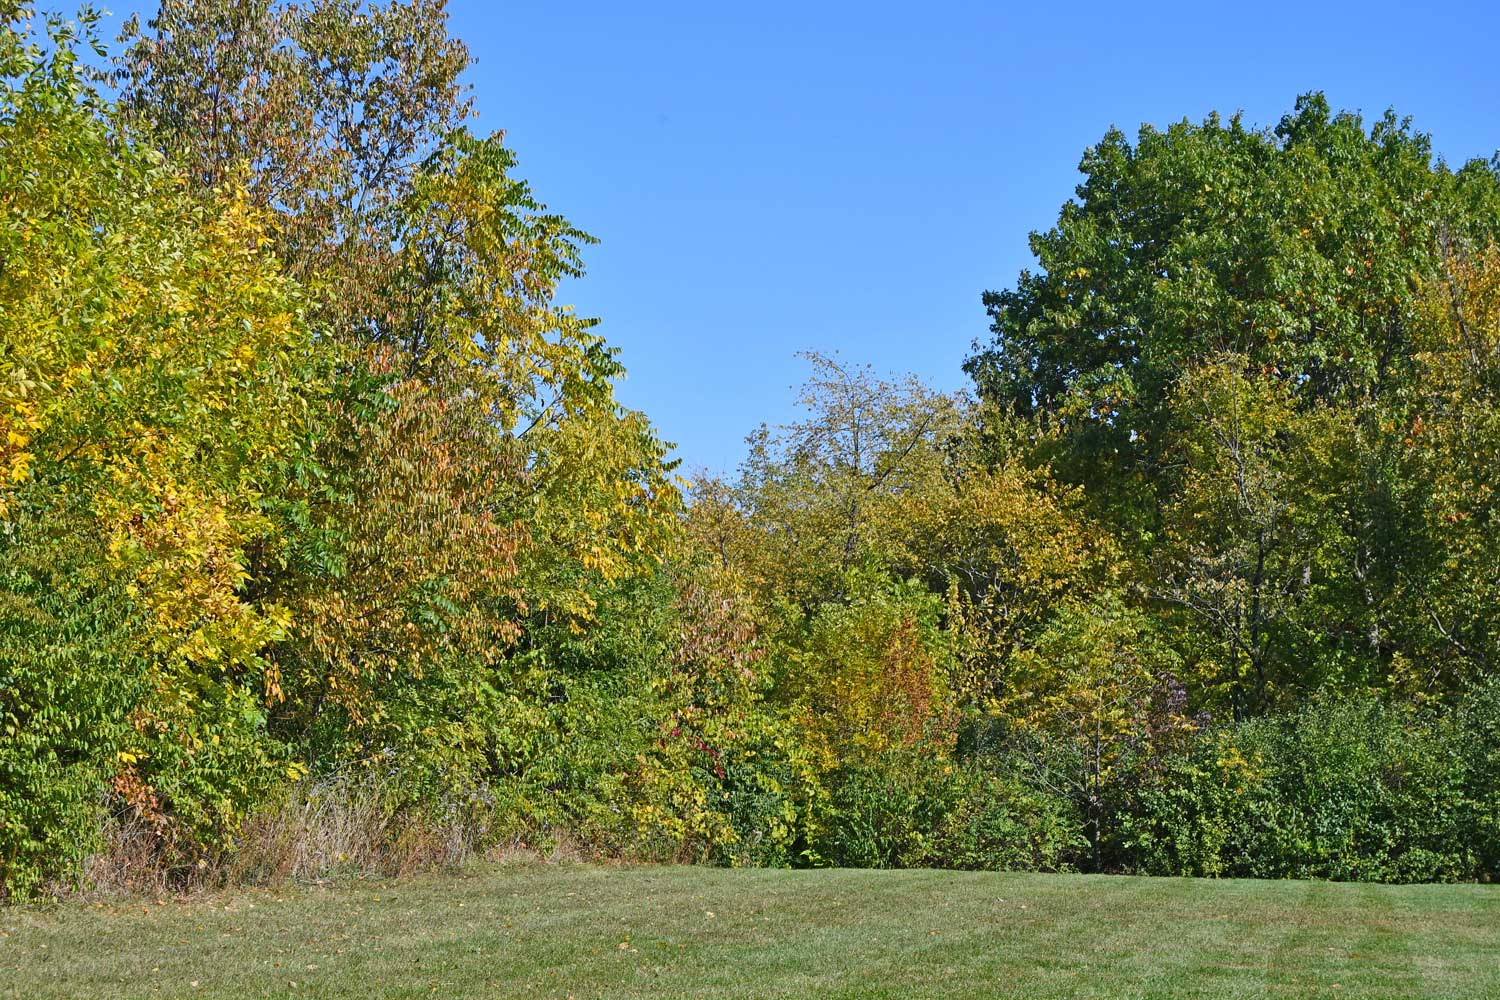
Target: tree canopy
317	505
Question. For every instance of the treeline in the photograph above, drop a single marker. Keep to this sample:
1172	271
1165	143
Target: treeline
326	544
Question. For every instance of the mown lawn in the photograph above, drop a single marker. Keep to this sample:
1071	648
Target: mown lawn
584	931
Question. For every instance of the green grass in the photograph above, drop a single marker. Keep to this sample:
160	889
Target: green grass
584	931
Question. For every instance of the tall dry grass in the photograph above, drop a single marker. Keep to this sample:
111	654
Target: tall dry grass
330	828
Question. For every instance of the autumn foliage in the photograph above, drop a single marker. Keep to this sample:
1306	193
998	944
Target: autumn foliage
324	537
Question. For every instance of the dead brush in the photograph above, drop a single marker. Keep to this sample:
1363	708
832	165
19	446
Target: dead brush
343	826
335	827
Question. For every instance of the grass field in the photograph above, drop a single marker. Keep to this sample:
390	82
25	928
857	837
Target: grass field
583	931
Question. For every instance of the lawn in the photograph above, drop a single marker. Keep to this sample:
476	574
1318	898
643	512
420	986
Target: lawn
585	931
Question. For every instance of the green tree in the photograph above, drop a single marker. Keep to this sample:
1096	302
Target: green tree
1222	342
1254	551
821	490
1296	249
1086	703
1442	435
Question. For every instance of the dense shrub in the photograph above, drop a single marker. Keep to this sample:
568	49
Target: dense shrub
1346	789
767	787
884	809
64	700
1001	823
923	808
1478	725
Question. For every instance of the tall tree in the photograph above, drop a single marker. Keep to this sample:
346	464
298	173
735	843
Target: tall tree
156	377
474	469
1223	339
1444	435
329	110
1296	249
821	487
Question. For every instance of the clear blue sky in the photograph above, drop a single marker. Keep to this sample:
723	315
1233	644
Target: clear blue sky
776	176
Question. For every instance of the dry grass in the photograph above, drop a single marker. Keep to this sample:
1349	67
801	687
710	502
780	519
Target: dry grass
348	827
328	829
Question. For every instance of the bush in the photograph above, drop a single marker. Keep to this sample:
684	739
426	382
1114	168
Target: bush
1001	824
1477	726
767	787
884	809
1182	815
1345	789
65	694
918	808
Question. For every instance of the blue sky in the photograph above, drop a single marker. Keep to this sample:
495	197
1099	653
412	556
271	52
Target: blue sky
774	177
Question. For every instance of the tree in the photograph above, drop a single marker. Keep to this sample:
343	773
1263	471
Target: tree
867	674
474	473
1444	433
820	490
1253	550
892	477
330	109
1222	342
1003	542
156	375
1294	248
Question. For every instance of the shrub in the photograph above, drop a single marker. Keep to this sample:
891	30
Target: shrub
64	701
1346	789
1001	824
1477	727
768	789
884	809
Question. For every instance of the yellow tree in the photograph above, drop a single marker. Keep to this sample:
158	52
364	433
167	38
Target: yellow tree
155	378
1445	438
474	470
1004	543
